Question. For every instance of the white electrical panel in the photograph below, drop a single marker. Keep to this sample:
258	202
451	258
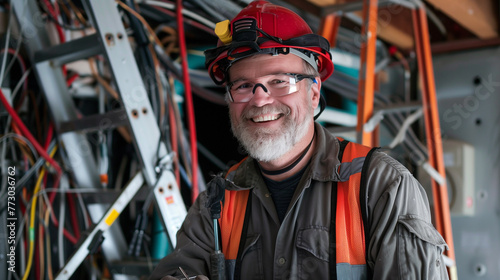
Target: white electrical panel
458	159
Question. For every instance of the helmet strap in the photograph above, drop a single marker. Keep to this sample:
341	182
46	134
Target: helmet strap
311	59
322	106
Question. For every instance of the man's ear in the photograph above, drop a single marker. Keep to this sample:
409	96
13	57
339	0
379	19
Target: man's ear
316	92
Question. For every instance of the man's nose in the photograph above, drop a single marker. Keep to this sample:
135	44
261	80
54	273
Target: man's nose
261	95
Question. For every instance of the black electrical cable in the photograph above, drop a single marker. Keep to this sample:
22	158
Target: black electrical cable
212	8
145	58
157	13
62	24
346	86
211	96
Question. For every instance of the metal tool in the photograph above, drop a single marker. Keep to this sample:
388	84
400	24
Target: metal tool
184	273
215	194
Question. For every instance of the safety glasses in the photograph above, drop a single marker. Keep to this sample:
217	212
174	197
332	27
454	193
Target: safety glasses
242	91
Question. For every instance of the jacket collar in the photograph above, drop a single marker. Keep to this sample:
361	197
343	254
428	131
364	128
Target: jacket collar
325	158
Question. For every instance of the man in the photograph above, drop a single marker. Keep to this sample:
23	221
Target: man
304	204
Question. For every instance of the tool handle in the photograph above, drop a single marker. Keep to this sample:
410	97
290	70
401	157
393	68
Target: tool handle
217	266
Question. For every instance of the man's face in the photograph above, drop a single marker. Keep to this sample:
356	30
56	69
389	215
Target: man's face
269	127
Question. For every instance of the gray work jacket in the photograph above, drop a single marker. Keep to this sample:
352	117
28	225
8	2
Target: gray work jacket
403	244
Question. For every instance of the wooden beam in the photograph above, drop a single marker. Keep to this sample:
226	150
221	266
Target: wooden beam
317	7
462	45
306	6
394	27
393	21
477	16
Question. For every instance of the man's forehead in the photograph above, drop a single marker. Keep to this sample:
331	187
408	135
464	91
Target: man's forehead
261	65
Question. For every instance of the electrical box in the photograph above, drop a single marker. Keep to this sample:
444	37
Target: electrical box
458	159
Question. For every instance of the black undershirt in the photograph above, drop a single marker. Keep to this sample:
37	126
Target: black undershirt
282	192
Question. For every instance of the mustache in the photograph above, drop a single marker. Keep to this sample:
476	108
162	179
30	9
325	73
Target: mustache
266	109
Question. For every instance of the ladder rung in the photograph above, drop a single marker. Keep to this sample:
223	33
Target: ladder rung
399	107
74	50
96	122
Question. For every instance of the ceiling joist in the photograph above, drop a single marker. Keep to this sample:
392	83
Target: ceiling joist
477	16
480	17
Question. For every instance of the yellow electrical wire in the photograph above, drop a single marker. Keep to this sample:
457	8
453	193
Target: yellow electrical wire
41	248
32	224
47	241
32	218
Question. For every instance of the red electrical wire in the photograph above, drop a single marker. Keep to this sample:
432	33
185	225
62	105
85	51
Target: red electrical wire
59	29
28	134
42	153
50	133
66	233
189	101
53	13
72	79
74	218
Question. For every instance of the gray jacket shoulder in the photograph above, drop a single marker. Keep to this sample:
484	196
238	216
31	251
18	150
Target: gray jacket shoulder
400	224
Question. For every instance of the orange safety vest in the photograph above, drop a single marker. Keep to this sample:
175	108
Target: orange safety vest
349	215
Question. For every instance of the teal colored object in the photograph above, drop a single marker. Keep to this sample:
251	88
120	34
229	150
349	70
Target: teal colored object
353	72
348	106
160	244
196	60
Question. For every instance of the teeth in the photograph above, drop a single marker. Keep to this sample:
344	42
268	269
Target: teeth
265	118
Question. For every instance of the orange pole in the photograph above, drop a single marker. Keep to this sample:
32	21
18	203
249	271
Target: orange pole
433	131
367	70
329	27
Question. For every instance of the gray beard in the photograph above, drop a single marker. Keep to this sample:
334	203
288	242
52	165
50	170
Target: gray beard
270	144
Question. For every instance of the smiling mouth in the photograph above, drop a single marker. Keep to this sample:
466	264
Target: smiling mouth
266	118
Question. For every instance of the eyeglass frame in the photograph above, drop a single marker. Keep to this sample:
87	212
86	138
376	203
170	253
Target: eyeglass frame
296	76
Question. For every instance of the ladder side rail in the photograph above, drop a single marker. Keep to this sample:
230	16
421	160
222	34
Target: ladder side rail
134	99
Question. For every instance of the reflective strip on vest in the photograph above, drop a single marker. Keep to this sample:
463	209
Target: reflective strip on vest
346	271
350	238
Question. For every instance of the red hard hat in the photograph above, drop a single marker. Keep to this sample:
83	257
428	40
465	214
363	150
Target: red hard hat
265	28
